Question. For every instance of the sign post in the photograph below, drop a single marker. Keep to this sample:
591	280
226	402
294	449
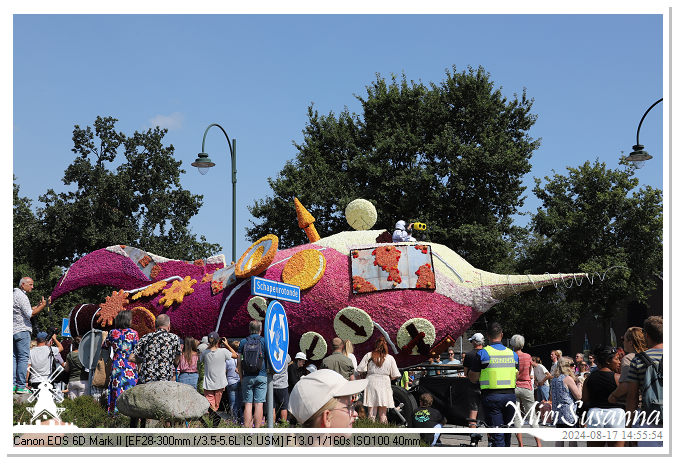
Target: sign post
65	329
278	290
89	353
277	340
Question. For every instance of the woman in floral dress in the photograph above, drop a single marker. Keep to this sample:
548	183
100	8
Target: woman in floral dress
123	372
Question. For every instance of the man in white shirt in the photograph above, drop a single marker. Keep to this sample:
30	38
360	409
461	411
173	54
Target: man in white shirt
22	313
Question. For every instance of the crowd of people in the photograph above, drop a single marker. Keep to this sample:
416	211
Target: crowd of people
509	385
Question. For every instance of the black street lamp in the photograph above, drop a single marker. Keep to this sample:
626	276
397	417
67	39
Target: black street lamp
639	156
204	163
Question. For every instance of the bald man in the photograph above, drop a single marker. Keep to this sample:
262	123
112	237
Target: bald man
157	353
338	361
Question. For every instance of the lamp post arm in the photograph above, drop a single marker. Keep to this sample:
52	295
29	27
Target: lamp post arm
642	118
232	151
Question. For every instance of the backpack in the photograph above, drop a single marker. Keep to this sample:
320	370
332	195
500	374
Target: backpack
651	393
252	356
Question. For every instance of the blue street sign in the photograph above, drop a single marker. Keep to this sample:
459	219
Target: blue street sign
276	335
65	329
278	290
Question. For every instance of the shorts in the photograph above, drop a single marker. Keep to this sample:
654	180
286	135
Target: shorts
280	398
214	397
254	389
76	388
525	415
474	397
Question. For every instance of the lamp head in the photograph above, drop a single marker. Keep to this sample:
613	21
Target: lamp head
203	163
639	156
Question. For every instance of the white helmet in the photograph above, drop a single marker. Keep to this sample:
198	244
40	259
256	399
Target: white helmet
401	225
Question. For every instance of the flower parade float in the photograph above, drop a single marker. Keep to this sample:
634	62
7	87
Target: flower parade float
415	294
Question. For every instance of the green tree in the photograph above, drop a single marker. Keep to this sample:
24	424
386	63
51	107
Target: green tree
123	190
595	220
450	154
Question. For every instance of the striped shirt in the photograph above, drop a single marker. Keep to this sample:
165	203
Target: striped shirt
637	368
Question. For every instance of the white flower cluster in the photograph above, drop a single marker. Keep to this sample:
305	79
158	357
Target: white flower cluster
361	214
403	337
356	316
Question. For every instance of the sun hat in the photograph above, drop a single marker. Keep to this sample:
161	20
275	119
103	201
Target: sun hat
300	355
477	337
312	391
41	337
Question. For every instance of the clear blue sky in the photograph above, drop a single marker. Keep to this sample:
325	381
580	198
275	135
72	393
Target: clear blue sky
592	78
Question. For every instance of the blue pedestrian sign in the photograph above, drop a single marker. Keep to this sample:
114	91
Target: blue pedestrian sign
276	335
65	329
278	290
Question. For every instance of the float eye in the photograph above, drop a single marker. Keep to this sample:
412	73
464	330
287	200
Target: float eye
258	257
304	269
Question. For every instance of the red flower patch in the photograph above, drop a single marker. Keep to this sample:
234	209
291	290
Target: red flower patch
155	270
145	261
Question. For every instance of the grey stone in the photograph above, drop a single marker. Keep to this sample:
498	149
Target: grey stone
162	400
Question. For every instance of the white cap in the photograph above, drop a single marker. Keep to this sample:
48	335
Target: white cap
300	355
312	391
401	225
477	338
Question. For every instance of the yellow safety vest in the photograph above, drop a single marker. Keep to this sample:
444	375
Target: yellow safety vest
501	370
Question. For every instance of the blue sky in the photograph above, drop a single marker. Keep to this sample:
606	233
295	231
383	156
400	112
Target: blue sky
592	78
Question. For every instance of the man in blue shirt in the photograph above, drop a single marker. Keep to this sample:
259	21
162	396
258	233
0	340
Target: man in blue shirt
495	369
253	382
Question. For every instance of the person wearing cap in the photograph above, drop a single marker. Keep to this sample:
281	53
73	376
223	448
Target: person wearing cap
43	358
296	370
401	235
323	399
338	361
22	312
495	369
214	381
474	392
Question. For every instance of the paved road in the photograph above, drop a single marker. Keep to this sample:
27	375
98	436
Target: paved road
464	440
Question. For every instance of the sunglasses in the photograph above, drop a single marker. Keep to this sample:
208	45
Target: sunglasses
572	364
348	408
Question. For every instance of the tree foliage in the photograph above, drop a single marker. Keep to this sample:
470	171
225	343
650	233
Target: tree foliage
595	220
123	190
450	154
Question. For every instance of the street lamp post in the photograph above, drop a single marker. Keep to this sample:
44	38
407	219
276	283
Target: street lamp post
204	163
639	156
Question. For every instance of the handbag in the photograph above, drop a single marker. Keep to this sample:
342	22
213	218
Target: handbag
102	374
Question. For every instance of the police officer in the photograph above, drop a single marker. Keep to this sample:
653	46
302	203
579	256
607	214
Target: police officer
495	368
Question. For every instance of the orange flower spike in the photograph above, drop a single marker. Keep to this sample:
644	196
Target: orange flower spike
306	222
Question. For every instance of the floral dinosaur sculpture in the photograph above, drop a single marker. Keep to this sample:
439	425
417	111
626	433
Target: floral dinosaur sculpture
416	297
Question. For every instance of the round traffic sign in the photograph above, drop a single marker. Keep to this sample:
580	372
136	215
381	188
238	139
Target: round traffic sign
276	336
